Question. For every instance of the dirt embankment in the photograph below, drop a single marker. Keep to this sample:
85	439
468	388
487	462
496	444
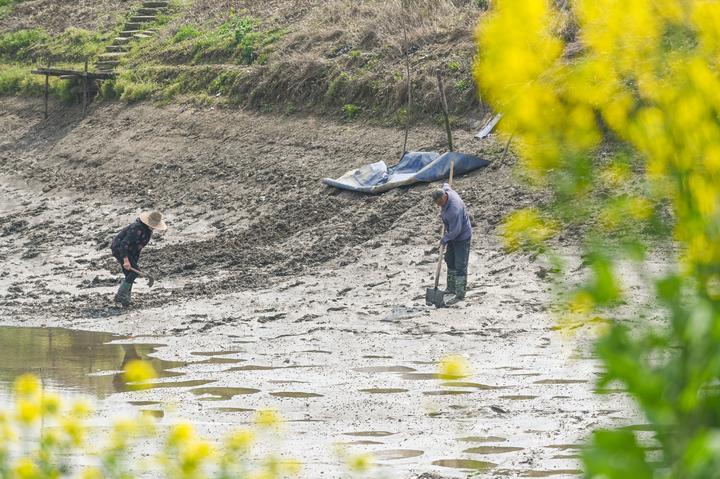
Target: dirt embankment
55	16
242	191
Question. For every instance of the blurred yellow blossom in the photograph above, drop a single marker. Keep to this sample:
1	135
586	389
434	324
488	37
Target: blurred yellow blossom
74	430
92	473
28	410
50	403
268	418
241	440
291	467
137	373
193	454
25	468
81	408
27	385
180	433
360	462
453	367
525	228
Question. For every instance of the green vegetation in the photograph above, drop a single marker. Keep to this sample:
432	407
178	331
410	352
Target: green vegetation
453	65
350	111
36	45
18	46
6	7
239	40
17	80
646	212
186	32
462	85
216	56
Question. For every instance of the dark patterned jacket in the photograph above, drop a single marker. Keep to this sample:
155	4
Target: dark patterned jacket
131	240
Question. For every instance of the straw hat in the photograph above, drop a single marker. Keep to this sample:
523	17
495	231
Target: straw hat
154	220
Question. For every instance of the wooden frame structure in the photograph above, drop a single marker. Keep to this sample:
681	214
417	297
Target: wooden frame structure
68	75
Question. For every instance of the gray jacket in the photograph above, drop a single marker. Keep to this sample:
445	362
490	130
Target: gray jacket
455	217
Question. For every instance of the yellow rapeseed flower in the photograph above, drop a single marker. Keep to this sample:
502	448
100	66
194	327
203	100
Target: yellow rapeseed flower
241	440
51	403
74	430
454	367
81	408
193	454
268	418
291	467
180	434
262	475
27	385
526	228
137	373
25	468
28	410
92	473
360	462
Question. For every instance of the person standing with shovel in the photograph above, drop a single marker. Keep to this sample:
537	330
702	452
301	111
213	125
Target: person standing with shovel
458	233
126	248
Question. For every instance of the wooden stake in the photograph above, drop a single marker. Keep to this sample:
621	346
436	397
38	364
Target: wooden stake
85	89
443	100
409	82
47	93
507	147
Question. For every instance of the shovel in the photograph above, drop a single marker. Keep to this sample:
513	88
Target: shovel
149	278
434	296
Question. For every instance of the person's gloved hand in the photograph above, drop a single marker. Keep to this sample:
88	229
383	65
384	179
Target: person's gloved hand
126	264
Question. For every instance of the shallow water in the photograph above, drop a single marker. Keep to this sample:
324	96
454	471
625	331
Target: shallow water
72	361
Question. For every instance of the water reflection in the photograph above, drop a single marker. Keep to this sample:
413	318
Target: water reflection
69	360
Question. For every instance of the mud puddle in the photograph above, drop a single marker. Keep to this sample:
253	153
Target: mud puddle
464	464
73	361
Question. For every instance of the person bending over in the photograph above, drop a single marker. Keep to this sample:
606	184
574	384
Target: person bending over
126	248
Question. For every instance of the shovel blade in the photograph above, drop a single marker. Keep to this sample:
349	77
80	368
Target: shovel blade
150	281
435	297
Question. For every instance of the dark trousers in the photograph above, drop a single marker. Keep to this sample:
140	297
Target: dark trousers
129	275
457	255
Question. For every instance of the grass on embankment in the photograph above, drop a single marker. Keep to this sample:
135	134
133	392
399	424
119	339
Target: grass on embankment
335	57
23	50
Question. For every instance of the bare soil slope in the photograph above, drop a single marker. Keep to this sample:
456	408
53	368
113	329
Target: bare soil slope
247	187
55	16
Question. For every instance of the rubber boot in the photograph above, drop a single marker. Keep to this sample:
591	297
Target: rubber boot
123	294
450	289
460	285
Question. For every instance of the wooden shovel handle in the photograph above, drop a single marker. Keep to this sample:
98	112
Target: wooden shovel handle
442	233
137	271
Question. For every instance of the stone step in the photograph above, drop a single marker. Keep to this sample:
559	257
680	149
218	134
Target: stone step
149	11
107	64
133	26
155	4
128	33
112	55
121	40
117	48
142	18
140	36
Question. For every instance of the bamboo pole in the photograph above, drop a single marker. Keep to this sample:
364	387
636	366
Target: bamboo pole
443	100
408	109
47	93
85	88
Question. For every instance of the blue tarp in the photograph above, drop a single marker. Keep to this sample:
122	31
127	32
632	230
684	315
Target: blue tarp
415	167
